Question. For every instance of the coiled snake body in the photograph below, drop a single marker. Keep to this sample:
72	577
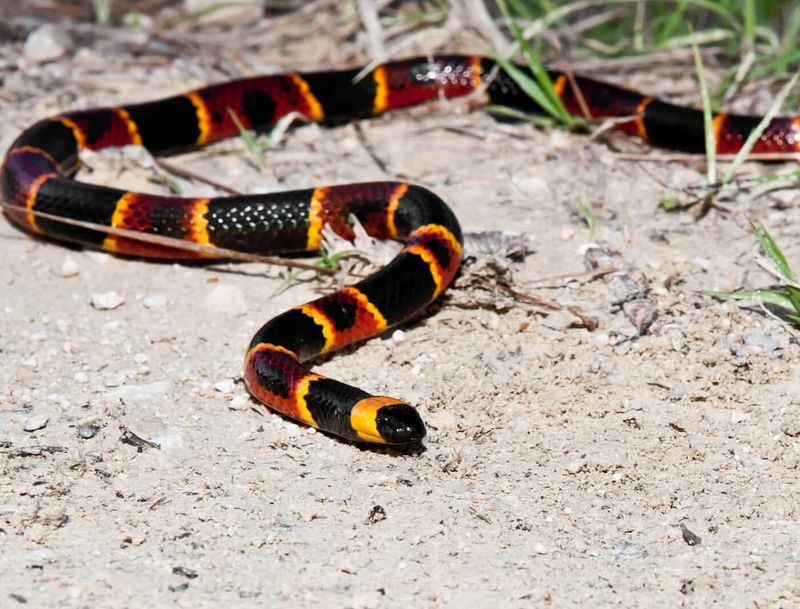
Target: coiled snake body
39	168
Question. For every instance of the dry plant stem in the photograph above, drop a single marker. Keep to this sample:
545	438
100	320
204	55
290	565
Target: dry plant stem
368	11
638	62
741	72
607	126
684	157
765	265
575	31
370	149
587	114
478	16
522	296
209	251
593	274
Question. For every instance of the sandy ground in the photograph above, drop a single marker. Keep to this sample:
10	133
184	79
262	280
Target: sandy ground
561	462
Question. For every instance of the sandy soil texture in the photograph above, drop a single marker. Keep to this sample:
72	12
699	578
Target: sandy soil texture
566	465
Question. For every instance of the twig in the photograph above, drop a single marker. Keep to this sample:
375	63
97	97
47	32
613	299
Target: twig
683	157
208	250
370	150
592	274
372	24
587	114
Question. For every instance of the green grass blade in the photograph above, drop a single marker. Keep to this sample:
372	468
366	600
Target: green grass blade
772	251
762	125
519	115
543	89
673	22
770	297
708	36
248	136
708	125
528	85
793	294
749	19
789	43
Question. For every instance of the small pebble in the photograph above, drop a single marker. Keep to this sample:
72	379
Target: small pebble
530	185
107	301
138	393
141	358
539	548
573	467
36	422
226	386
625	550
46	43
81	377
114	380
227	299
558	320
155	301
88	431
739	417
69	268
240	402
398	336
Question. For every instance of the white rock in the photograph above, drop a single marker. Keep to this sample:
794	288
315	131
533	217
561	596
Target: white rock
81	377
530	185
139	393
398	336
575	466
69	268
107	301
227	299
241	402
558	320
739	417
46	43
226	386
36	421
155	301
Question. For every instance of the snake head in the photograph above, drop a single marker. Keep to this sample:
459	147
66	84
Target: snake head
386	420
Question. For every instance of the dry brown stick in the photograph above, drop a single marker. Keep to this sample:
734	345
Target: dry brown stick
575	31
369	149
547	304
478	16
368	12
640	61
189	246
587	114
686	156
608	125
591	274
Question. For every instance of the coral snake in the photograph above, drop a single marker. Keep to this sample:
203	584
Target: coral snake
40	165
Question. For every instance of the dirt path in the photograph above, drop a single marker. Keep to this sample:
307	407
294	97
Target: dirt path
561	461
